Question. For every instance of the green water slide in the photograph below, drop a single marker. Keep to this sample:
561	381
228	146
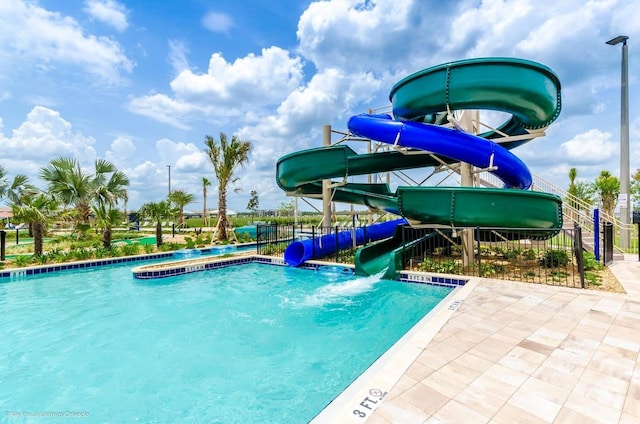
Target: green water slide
387	254
528	91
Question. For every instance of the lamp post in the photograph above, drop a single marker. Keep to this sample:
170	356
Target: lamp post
624	142
169	167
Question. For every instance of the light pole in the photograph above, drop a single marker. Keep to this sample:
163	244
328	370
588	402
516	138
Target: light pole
624	142
169	167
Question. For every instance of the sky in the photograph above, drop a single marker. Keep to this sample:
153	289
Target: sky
142	82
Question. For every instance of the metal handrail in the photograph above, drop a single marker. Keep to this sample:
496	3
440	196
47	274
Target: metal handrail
573	207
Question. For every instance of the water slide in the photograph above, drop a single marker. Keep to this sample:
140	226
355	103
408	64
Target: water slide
528	91
301	251
386	255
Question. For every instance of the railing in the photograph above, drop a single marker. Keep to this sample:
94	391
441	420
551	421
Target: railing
273	239
576	210
500	253
526	255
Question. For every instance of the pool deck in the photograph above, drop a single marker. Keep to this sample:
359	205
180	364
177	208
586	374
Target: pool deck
508	352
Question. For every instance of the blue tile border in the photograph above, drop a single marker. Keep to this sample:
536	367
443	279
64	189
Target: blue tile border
42	269
435	280
148	272
180	269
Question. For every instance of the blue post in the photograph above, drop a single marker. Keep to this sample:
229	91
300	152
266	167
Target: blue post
596	233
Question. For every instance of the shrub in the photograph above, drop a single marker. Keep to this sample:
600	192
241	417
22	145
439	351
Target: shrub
22	260
488	269
593	278
590	263
101	252
508	253
448	266
553	258
190	243
530	254
130	249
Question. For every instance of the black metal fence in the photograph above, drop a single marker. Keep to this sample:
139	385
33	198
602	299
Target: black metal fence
273	239
538	256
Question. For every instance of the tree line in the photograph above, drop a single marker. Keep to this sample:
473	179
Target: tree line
604	190
74	194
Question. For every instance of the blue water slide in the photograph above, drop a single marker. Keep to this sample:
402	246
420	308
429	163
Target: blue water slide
451	143
303	250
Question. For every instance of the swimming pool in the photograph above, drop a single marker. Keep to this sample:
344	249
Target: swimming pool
248	343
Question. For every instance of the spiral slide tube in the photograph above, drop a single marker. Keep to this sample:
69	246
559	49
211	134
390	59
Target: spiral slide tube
301	251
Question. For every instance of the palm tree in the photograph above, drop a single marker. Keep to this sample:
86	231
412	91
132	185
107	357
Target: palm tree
205	218
156	211
225	156
74	187
125	199
577	193
36	210
107	217
68	183
15	189
180	199
608	188
108	185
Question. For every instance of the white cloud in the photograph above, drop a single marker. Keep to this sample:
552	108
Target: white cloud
109	12
591	147
181	156
178	51
43	136
226	89
163	108
217	22
47	39
122	151
353	35
263	79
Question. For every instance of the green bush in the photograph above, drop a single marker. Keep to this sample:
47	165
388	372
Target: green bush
593	278
508	253
553	258
530	254
448	266
190	244
590	263
22	260
130	249
488	269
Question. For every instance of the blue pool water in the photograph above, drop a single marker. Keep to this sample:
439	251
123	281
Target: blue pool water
248	343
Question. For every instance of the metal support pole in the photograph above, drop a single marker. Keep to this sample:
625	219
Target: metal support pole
466	180
326	191
3	240
169	168
596	233
624	143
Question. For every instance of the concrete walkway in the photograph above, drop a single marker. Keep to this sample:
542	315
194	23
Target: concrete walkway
521	353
